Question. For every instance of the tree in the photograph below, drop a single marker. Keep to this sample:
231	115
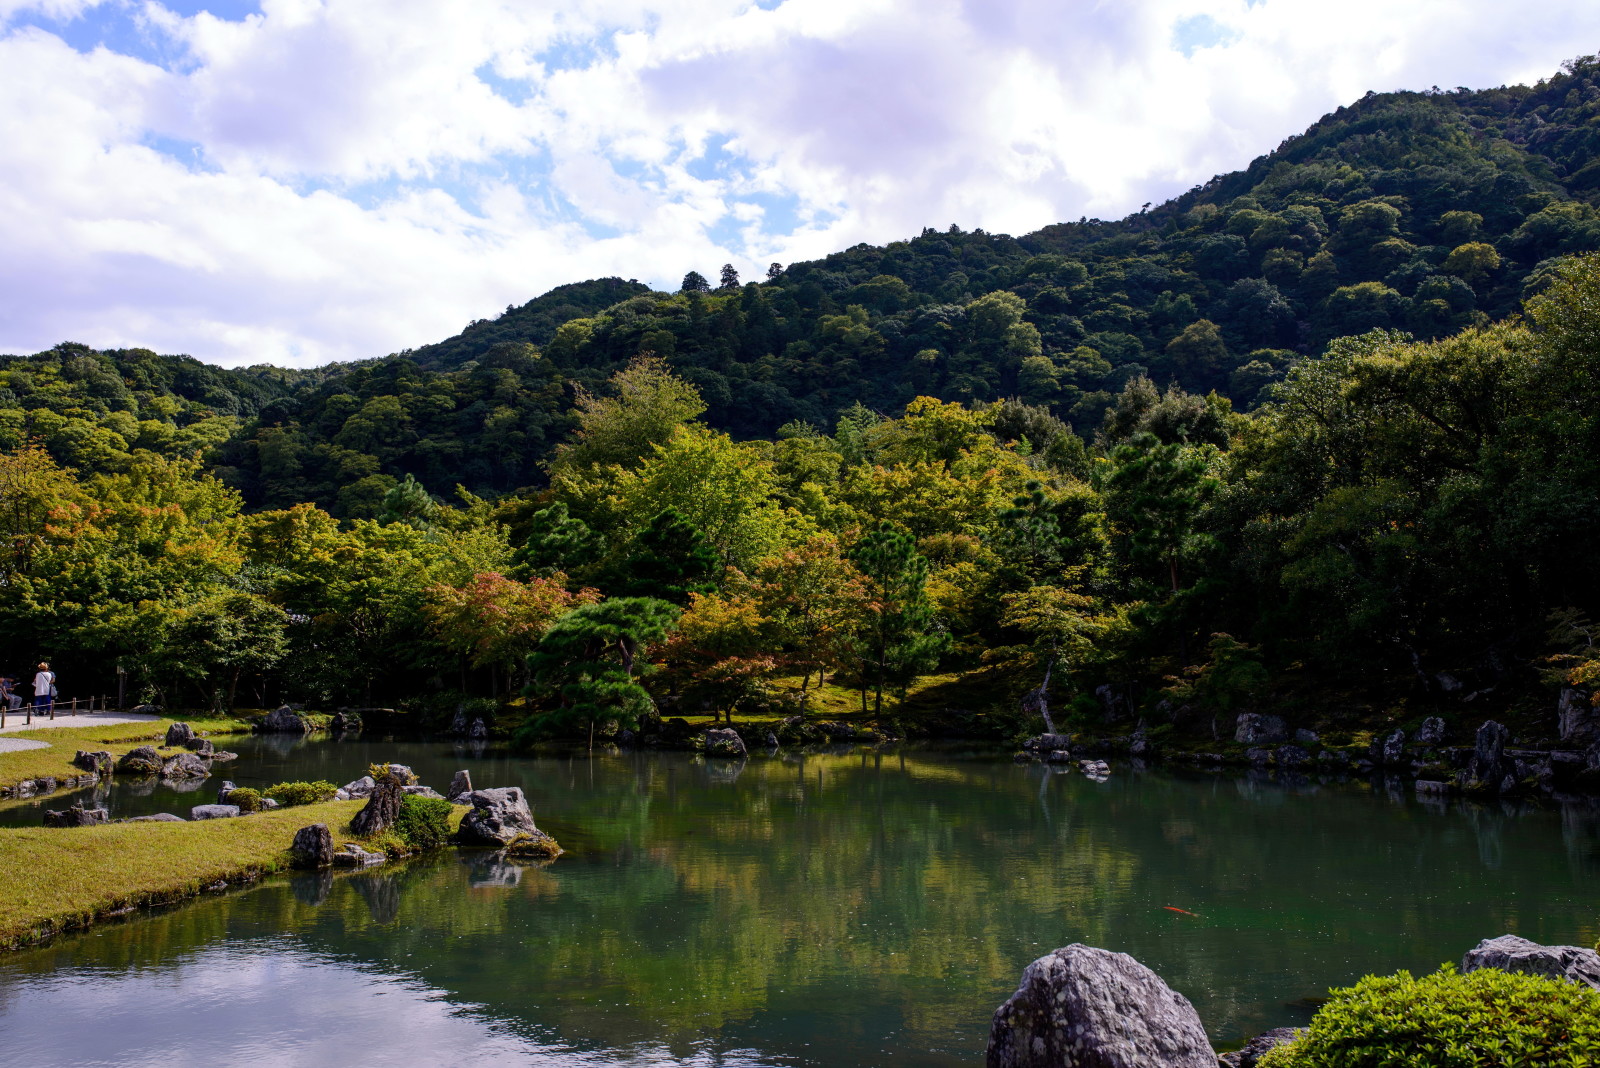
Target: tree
647	404
899	639
694	282
815	598
410	504
774	272
496	621
730	278
670	560
589	663
1154	493
558	541
722	649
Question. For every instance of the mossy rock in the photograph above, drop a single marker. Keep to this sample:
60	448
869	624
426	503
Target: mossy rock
533	847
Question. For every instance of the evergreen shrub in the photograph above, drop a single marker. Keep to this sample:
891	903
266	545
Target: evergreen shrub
1485	1019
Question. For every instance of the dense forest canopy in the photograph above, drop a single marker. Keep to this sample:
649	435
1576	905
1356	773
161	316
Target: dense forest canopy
1336	409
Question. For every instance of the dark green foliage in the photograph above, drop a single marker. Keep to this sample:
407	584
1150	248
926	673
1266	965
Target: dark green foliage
557	541
423	822
535	323
900	641
589	661
668	561
301	793
1486	1019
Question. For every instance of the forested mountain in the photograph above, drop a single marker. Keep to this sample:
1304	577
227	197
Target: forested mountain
1283	436
1421	212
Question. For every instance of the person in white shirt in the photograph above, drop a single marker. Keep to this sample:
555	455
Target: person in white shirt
44	687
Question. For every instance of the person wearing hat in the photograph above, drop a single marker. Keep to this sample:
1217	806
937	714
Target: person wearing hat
44	687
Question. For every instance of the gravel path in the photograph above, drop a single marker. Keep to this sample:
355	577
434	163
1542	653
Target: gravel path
83	719
14	745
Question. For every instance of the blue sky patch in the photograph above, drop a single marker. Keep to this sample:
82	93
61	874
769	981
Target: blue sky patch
1201	31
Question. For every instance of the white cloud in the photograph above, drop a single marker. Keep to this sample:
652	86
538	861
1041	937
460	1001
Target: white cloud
334	179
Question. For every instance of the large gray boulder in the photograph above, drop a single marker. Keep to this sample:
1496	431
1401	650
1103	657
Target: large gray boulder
213	812
283	720
1091	1008
1431	733
460	787
1578	720
184	766
1254	728
1510	953
98	761
724	743
1390	750
1049	743
497	817
383	807
141	761
362	787
312	846
1489	768
76	816
180	734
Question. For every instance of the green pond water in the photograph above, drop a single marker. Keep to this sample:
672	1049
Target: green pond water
854	908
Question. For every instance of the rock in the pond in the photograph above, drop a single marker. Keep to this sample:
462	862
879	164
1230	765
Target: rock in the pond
382	807
1431	732
1254	728
312	846
1291	756
224	790
76	816
537	846
213	812
1305	737
1092	1008
99	761
159	817
479	729
771	740
1510	953
1259	1047
141	761
724	743
184	766
180	734
221	756
283	720
1048	743
362	787
202	747
460	787
421	791
1259	756
353	856
1577	719
402	774
497	817
1388	751
1488	768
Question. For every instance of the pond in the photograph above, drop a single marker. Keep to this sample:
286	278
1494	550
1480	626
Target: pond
853	908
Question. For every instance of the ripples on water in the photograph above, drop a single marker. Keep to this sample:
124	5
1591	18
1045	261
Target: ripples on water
846	909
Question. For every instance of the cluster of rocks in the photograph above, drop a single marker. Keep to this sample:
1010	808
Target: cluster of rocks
735	742
499	818
1062	750
1086	1006
47	784
290	719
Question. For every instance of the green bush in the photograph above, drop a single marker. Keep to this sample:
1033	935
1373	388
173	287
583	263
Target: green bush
424	822
301	793
1486	1019
247	799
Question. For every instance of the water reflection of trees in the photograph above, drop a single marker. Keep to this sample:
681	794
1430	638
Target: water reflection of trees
871	892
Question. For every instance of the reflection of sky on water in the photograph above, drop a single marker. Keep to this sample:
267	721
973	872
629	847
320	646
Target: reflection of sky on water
271	1004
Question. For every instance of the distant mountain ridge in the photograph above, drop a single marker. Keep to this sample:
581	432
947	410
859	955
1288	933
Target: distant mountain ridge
1416	211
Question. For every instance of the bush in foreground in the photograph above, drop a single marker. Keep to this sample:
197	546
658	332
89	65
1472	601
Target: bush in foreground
302	793
1486	1019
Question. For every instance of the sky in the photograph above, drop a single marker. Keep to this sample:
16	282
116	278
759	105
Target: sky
303	181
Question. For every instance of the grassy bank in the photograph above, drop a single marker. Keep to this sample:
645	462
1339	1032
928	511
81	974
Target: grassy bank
58	879
115	738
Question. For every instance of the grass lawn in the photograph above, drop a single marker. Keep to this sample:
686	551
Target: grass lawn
59	878
115	738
